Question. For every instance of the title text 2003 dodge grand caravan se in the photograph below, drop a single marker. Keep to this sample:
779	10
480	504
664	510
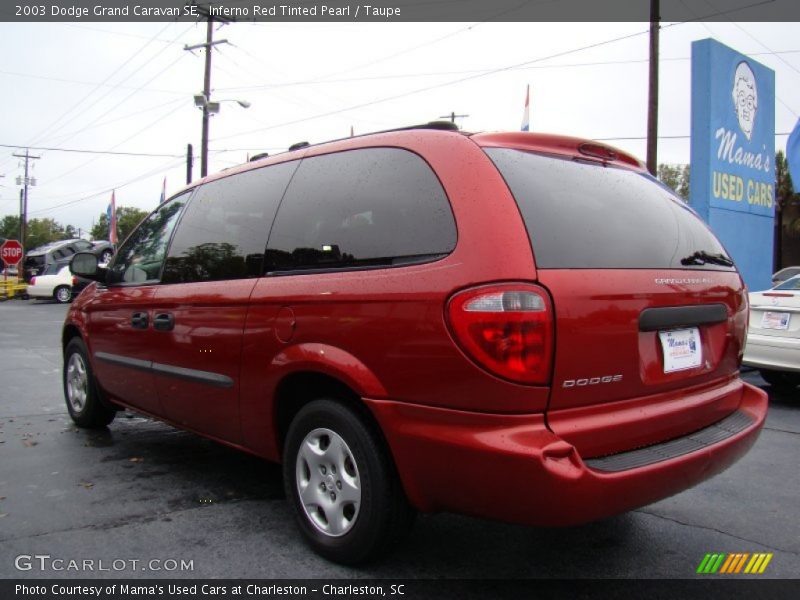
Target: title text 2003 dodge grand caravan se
517	326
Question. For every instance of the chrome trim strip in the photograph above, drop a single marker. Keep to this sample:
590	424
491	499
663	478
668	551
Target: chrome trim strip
206	377
124	361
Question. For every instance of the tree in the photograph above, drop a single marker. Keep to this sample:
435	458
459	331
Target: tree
42	231
676	177
787	215
9	227
128	218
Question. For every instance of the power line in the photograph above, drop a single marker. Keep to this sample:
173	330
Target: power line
79	104
441	85
117	186
138	132
126	98
94	83
269	86
84	151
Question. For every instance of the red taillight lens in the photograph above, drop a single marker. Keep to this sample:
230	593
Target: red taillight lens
507	329
74	281
33	281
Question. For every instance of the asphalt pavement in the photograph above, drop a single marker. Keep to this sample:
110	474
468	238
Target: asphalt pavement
142	499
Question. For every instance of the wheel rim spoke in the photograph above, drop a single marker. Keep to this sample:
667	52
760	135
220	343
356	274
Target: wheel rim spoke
77	382
328	482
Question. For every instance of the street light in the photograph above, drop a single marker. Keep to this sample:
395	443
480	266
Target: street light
209	107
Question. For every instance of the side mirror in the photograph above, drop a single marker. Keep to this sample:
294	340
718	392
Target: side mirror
85	264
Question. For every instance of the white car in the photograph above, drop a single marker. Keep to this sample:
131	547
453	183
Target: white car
773	338
57	282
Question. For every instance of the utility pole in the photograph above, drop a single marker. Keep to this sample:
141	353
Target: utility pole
23	219
652	100
453	116
209	43
189	163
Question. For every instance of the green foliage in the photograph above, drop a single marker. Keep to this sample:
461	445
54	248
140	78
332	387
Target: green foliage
9	227
128	218
784	191
676	177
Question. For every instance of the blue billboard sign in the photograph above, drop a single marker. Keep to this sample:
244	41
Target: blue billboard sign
732	183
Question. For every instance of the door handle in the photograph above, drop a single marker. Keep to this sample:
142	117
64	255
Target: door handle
164	322
139	320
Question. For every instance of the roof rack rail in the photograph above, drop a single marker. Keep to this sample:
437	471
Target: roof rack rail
442	125
438	125
259	156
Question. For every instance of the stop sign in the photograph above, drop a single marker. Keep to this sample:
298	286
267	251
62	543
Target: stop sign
11	252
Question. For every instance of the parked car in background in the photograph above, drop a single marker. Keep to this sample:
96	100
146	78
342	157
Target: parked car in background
57	282
37	260
784	274
103	249
518	326
773	338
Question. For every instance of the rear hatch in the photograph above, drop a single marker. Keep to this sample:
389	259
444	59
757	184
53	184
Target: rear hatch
776	312
648	306
34	265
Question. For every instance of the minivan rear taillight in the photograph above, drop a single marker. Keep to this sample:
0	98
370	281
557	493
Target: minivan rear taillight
33	281
507	329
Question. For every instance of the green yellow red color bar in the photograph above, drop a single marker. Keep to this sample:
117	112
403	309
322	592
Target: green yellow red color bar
742	562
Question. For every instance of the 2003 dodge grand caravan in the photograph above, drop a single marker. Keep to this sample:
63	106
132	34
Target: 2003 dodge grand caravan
518	326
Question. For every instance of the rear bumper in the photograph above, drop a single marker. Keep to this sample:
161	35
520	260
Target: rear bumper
772	352
513	468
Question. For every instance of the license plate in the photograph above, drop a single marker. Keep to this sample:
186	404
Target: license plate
682	349
775	320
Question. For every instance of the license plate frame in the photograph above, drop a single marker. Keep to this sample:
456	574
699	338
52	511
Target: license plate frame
682	349
777	321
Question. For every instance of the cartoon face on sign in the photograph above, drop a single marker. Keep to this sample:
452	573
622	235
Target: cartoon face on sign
745	98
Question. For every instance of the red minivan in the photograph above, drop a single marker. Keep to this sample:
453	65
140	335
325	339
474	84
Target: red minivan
518	326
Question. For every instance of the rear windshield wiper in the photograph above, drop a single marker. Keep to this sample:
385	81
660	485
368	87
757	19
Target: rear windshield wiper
702	257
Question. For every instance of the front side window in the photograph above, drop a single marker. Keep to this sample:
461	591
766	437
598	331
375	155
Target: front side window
361	208
224	231
141	257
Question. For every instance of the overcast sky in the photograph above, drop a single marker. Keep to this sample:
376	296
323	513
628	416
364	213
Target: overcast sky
109	87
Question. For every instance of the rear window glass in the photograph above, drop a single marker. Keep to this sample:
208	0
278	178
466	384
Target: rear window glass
34	261
361	208
583	215
789	284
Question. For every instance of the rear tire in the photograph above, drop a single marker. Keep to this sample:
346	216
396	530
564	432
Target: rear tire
342	484
62	294
80	389
781	380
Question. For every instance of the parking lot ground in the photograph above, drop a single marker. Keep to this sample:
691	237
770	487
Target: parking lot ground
143	491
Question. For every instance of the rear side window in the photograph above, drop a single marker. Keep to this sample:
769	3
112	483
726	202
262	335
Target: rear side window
361	208
224	231
585	216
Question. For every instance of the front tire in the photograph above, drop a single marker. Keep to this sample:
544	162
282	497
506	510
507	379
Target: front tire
80	389
62	294
342	484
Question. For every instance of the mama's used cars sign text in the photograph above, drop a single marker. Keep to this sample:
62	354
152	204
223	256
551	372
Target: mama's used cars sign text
733	154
